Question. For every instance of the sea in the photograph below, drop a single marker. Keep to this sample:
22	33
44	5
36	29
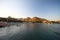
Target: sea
30	31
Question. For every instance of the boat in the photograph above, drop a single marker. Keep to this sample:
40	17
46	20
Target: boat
3	24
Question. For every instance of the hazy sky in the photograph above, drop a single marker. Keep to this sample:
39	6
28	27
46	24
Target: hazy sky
49	9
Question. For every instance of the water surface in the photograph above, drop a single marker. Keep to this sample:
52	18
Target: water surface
30	31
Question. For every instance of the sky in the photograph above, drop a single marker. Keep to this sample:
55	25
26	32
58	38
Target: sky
48	9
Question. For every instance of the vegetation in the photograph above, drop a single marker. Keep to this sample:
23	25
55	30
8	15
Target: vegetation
28	19
9	19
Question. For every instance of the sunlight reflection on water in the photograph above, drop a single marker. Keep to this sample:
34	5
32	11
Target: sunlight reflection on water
31	31
8	30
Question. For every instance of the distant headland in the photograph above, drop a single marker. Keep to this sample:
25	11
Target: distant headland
28	19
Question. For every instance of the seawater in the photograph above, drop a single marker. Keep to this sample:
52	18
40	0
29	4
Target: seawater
30	31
